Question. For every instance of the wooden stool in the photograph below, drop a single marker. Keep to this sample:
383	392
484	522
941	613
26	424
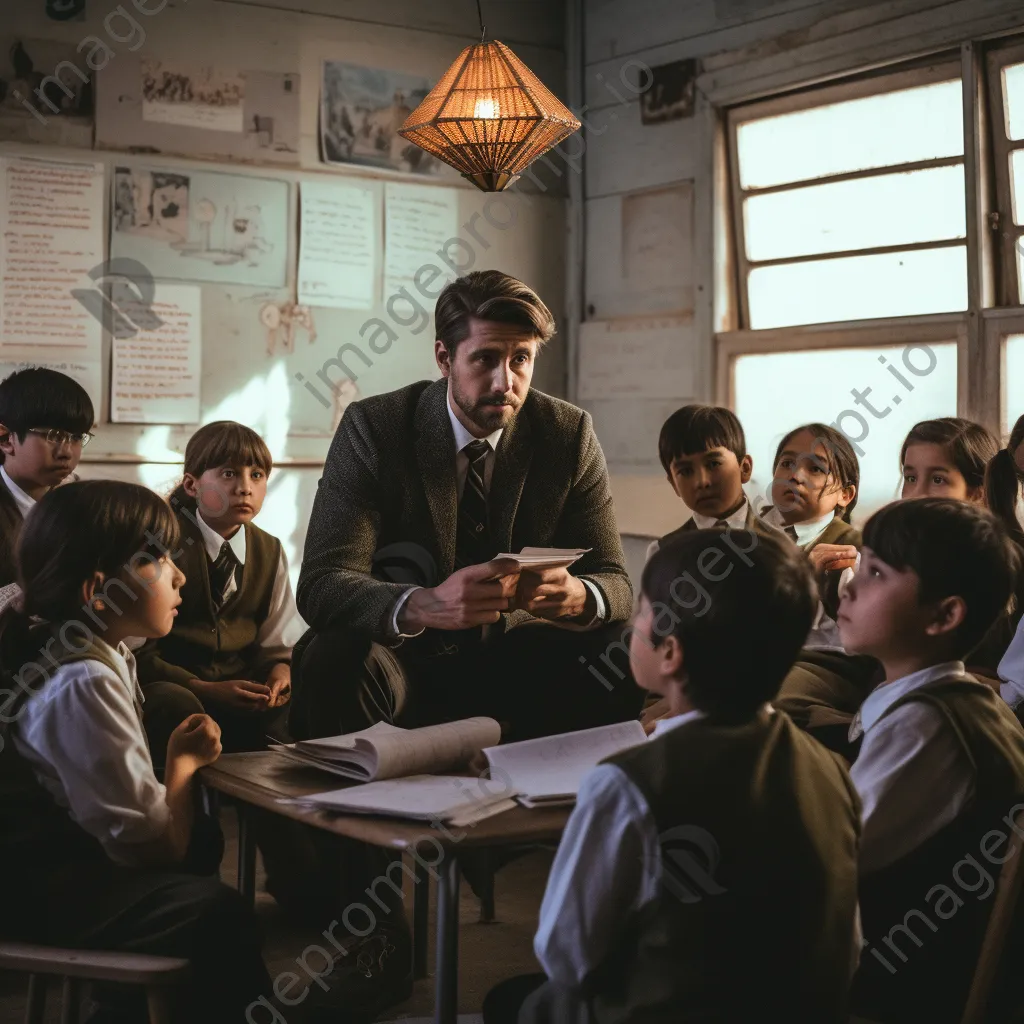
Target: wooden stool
156	974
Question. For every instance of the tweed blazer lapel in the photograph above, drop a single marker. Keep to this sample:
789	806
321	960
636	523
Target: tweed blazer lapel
435	460
512	463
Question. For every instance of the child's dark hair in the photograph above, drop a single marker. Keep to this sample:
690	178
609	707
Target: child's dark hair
222	443
762	582
72	533
39	397
971	446
696	428
954	548
840	457
1003	482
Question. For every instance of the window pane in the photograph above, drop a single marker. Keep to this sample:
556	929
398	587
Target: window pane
1013	90
779	391
859	288
1017	184
891	209
1013	380
876	131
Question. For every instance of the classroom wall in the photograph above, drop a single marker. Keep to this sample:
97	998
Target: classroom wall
294	37
746	49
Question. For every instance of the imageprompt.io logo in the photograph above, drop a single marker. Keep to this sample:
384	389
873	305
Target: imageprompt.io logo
126	307
689	859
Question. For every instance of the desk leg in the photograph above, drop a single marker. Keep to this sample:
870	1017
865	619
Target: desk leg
246	858
420	922
446	1006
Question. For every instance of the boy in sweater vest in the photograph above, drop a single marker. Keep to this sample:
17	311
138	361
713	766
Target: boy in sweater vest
941	766
711	873
45	419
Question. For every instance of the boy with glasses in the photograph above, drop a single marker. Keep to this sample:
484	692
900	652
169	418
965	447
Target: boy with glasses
45	421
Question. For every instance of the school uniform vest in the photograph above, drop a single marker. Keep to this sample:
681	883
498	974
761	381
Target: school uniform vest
10	530
207	643
36	835
931	980
759	828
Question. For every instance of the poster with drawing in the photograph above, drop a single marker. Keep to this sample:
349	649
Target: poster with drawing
206	98
199	226
361	110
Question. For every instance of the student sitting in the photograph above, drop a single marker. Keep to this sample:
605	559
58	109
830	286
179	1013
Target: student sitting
231	642
45	419
704	452
665	900
99	854
942	760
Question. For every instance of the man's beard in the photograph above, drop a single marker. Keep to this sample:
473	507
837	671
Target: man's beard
484	414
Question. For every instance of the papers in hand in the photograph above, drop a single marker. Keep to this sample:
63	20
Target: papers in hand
546	558
547	772
450	799
386	752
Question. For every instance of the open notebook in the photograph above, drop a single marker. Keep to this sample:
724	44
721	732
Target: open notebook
386	752
547	772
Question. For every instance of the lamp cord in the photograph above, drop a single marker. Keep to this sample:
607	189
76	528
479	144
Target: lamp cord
483	27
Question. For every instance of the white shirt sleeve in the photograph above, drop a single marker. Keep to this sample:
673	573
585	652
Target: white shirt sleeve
606	869
1011	668
399	605
913	779
83	737
283	626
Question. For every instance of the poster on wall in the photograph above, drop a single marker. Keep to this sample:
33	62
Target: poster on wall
361	110
209	98
185	225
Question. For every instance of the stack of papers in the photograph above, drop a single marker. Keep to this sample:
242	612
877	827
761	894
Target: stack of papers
546	558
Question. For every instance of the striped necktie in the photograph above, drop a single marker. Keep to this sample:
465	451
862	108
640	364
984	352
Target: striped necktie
472	537
222	572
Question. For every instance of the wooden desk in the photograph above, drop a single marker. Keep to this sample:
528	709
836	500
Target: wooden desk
261	779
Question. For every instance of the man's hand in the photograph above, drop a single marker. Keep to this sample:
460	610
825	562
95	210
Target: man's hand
280	683
194	744
551	594
240	694
473	596
833	556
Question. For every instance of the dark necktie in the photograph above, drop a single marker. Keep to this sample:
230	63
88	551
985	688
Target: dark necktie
790	532
222	572
472	537
721	524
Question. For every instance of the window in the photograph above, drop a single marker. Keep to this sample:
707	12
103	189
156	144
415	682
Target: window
1013	375
1006	80
850	209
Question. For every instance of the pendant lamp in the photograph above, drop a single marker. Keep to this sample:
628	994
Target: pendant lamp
490	116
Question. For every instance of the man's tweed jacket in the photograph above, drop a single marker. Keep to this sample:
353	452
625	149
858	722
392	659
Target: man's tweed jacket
388	499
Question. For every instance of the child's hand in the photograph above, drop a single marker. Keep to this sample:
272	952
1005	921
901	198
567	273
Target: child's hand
240	694
196	740
832	556
654	714
280	683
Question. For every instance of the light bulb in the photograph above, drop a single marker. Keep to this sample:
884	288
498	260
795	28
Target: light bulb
486	108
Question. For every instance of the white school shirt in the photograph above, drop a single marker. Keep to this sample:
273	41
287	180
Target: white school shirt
283	627
1011	669
912	776
82	735
737	521
21	499
462	438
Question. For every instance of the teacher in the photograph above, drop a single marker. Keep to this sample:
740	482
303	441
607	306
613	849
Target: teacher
413	619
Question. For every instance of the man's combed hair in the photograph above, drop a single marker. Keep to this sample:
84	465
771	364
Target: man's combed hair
38	397
494	296
696	428
741	605
955	549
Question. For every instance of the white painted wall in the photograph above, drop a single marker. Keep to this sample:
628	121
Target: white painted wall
747	49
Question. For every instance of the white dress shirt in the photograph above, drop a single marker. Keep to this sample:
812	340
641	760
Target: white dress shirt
21	499
913	776
1011	669
737	521
463	438
283	626
83	737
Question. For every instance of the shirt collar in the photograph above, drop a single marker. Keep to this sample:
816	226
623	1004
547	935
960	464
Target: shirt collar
21	499
737	521
463	436
665	725
884	696
213	541
806	533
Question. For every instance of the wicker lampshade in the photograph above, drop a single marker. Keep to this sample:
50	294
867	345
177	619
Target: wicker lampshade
489	117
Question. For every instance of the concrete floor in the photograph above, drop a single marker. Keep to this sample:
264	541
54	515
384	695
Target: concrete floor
488	952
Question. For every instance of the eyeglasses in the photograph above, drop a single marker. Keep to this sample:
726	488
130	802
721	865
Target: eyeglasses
58	438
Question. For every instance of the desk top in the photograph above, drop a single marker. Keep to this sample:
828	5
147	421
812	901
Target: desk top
261	778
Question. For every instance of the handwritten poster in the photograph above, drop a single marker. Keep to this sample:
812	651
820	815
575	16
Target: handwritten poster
419	221
156	371
51	309
338	246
